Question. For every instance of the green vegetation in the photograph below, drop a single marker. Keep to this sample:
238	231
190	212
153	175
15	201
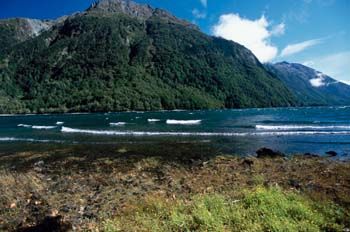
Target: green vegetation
265	209
97	62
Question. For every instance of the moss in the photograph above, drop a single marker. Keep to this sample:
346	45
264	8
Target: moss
264	209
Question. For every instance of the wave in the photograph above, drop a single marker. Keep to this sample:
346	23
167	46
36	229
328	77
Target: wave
295	122
297	127
14	139
183	122
229	134
37	127
44	127
117	123
24	125
153	120
59	123
8	115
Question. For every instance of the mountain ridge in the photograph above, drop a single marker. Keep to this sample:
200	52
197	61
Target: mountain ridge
311	87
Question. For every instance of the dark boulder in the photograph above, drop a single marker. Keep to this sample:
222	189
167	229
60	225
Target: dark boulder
49	224
247	162
268	153
294	183
310	155
331	153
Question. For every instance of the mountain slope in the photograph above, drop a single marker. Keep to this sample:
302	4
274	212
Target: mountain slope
310	86
119	55
16	30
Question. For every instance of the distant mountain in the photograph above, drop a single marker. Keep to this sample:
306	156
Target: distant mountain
120	55
311	87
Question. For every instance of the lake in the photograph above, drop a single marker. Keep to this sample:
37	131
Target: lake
238	131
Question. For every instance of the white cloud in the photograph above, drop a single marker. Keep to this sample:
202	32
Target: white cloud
279	29
299	47
308	63
199	15
335	65
319	81
253	34
204	3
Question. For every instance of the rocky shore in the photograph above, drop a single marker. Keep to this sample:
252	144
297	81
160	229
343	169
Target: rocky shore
82	187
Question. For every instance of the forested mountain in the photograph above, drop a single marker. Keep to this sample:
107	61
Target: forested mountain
311	87
120	55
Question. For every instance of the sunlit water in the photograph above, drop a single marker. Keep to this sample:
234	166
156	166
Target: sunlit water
290	130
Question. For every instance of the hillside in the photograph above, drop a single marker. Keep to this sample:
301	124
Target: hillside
120	55
310	86
17	30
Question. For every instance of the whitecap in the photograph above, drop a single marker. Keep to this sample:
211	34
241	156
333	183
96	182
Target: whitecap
24	125
14	139
153	120
298	127
43	127
183	122
117	123
37	127
59	123
204	134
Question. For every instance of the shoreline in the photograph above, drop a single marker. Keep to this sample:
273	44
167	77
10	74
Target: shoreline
85	189
176	110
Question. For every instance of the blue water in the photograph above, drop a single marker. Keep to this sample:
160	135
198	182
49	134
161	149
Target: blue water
290	130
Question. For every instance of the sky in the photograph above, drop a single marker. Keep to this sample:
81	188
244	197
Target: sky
315	33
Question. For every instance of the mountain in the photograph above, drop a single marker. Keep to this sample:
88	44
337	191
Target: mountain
119	55
311	87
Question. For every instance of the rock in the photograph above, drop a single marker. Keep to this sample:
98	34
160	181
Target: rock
294	183
247	162
48	224
38	166
331	153
309	155
38	169
268	153
39	163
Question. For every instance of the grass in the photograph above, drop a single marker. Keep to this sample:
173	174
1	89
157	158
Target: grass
264	209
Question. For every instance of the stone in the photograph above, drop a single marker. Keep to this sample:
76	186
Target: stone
248	162
310	155
331	153
268	153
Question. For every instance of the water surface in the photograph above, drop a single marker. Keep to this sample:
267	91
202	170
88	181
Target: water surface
290	130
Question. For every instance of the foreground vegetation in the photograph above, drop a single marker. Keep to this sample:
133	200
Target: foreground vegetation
126	188
262	209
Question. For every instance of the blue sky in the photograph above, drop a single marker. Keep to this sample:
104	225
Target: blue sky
311	32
